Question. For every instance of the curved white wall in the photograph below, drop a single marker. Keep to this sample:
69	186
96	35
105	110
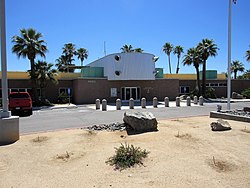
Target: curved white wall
132	66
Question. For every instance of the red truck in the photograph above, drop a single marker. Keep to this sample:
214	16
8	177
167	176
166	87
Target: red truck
20	102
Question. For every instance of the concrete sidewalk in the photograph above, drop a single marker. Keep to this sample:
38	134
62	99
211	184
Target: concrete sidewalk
109	106
112	106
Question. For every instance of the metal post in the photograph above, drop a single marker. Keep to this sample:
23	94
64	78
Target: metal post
5	113
229	55
97	104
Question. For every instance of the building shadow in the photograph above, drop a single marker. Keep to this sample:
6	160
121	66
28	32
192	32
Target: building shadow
131	131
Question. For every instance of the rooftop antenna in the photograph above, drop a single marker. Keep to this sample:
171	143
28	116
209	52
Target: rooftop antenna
105	48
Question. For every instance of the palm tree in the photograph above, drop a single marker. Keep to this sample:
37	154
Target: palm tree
61	62
44	75
168	48
29	45
138	50
207	48
248	55
82	54
178	50
246	75
127	49
237	66
193	57
69	51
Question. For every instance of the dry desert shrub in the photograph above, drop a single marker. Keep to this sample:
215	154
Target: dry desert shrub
245	130
39	139
64	157
127	156
221	165
183	136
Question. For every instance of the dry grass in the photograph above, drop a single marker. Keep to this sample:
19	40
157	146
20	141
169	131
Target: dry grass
64	157
245	130
222	165
183	136
39	139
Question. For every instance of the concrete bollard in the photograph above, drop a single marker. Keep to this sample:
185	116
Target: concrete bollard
155	102
104	105
195	100
201	100
97	104
143	103
166	101
131	103
188	101
178	101
118	104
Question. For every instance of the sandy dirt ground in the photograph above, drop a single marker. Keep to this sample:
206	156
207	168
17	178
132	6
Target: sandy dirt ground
183	153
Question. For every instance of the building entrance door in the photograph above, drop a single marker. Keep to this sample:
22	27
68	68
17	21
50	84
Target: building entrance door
130	92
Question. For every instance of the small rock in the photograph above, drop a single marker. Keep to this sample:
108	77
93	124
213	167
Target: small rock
217	126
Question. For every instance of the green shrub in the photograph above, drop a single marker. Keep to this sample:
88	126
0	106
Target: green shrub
246	93
63	98
210	93
194	93
46	102
127	156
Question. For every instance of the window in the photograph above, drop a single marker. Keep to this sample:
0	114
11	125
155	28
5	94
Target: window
113	92
65	91
184	89
117	58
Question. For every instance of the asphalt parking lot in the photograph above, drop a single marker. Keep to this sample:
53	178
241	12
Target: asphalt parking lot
72	116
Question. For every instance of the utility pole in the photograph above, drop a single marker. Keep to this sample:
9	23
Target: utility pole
229	55
5	113
105	48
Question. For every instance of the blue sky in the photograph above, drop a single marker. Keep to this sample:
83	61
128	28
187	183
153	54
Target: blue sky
142	23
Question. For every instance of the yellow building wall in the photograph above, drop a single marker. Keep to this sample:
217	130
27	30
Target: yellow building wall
180	76
189	76
25	75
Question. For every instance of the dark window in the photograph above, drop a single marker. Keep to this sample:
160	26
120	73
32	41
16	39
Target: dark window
123	91
64	91
184	89
14	90
138	93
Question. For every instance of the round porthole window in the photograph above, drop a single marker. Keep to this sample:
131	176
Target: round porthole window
117	57
117	73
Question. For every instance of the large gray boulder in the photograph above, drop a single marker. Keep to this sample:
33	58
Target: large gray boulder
140	121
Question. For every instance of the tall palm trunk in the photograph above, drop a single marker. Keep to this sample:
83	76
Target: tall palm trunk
235	74
204	78
198	80
169	64
177	69
33	80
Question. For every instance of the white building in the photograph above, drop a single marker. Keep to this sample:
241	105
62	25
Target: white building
124	66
